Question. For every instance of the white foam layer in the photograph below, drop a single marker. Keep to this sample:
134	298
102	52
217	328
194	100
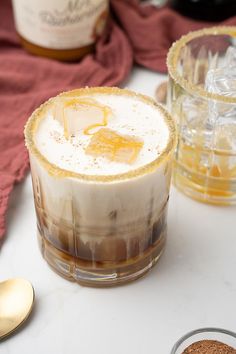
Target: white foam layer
131	116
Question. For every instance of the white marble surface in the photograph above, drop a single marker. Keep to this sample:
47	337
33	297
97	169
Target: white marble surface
193	285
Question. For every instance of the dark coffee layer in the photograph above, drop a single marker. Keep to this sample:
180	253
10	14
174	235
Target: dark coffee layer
111	244
100	274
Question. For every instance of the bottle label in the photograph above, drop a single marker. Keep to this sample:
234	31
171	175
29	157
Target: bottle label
60	24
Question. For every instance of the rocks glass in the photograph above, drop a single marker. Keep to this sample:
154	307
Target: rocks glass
202	100
100	230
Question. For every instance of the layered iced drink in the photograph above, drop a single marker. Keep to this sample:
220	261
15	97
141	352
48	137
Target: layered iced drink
100	163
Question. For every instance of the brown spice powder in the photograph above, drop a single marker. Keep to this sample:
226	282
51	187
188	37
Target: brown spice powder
209	347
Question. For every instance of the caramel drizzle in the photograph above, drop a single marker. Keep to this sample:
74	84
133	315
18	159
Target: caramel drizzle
114	142
106	111
90	103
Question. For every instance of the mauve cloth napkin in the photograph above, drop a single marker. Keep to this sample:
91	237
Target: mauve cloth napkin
136	33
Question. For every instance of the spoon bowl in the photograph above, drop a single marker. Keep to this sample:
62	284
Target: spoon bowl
16	302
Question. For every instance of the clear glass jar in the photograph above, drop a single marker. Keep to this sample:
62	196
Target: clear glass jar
209	333
60	29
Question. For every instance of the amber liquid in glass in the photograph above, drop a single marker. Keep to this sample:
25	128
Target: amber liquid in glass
123	251
193	172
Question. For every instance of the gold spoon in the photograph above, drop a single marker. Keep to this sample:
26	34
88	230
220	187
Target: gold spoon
16	302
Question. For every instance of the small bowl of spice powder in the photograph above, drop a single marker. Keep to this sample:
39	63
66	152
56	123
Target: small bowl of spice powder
206	341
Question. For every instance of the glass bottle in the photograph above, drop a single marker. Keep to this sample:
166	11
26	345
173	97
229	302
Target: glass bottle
60	29
205	10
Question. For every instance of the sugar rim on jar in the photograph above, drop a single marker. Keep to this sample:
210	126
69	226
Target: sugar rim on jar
173	56
37	115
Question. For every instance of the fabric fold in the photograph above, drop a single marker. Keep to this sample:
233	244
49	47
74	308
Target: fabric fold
26	81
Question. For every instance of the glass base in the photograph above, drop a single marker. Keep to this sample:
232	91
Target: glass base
211	190
101	274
